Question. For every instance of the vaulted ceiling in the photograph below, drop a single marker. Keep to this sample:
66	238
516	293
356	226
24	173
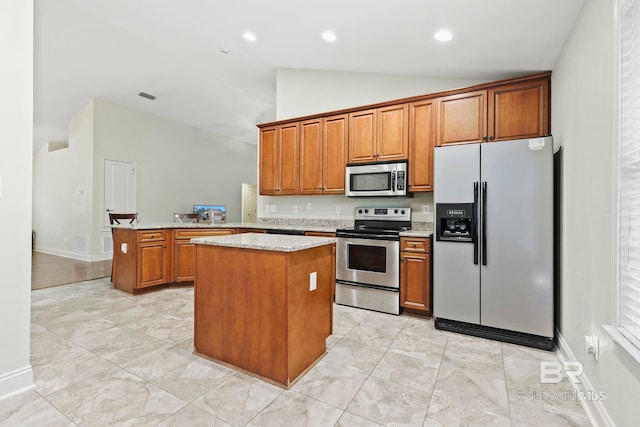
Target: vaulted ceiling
191	53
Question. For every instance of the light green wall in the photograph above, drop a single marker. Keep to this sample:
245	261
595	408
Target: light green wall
302	92
63	190
177	165
582	122
16	147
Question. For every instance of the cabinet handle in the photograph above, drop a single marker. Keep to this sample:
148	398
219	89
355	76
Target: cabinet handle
491	138
414	245
484	138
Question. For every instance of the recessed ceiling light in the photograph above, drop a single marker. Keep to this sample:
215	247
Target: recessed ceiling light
329	36
443	35
249	36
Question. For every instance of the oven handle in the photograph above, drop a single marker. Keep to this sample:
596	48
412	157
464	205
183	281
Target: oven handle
369	236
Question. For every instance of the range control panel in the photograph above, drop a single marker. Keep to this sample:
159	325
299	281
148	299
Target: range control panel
386	214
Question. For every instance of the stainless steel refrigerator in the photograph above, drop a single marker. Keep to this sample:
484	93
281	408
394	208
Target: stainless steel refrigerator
493	246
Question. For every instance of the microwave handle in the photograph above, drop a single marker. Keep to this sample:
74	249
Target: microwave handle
393	181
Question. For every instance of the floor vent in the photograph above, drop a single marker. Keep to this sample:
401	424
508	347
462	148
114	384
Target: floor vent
107	244
81	243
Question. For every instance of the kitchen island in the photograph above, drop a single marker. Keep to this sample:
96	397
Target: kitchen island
263	303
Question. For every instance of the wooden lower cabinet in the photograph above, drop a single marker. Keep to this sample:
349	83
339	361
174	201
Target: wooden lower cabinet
254	309
141	258
415	275
147	258
185	252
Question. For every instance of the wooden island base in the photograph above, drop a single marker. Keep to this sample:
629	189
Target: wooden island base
254	309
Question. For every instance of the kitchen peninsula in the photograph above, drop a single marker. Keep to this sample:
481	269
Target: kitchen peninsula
263	302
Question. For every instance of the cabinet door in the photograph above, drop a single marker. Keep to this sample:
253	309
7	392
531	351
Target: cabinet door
393	133
152	264
289	159
311	157
185	261
362	136
422	135
414	282
462	118
519	110
269	163
335	151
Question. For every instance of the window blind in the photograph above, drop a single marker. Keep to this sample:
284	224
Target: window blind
629	175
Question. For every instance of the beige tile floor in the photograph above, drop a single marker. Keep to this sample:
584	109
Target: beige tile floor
104	358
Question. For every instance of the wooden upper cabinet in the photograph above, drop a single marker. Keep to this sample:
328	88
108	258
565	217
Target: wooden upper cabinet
289	159
363	136
279	159
462	118
393	132
311	156
422	134
506	111
519	110
323	155
268	160
381	134
335	137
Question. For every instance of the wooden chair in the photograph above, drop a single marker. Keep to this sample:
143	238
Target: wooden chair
115	218
191	217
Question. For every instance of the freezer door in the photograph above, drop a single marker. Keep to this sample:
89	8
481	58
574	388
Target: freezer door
516	289
456	280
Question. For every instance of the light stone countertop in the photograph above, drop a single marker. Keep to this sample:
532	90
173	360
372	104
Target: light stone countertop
416	233
267	242
155	226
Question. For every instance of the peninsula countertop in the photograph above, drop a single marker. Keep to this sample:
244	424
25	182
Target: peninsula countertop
155	226
266	242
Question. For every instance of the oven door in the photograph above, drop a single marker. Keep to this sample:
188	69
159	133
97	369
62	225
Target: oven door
368	261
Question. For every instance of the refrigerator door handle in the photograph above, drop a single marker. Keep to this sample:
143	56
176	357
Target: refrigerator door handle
484	223
476	208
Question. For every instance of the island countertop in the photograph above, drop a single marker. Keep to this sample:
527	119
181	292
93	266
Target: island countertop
267	242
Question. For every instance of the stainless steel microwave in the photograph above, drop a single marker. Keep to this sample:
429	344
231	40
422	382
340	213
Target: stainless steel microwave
387	179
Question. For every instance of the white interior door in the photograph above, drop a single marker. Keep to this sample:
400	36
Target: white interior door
249	203
119	188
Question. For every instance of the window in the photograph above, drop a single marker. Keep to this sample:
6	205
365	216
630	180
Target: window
627	331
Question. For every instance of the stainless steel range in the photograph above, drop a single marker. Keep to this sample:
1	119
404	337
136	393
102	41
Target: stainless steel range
368	259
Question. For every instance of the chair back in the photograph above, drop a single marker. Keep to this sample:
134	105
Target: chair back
185	217
115	218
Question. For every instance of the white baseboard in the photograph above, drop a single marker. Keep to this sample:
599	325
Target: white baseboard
73	255
595	410
15	382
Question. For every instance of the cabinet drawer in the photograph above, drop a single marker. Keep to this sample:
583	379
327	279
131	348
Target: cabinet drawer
414	244
150	235
187	233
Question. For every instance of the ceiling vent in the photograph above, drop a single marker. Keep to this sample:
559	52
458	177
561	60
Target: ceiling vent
146	95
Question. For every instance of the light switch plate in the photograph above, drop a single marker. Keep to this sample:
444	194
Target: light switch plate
308	206
295	208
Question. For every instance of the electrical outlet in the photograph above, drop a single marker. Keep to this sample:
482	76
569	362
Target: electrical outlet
267	208
308	206
338	209
426	209
295	208
313	281
272	208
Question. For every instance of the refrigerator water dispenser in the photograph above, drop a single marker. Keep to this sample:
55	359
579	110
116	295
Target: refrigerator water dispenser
455	222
